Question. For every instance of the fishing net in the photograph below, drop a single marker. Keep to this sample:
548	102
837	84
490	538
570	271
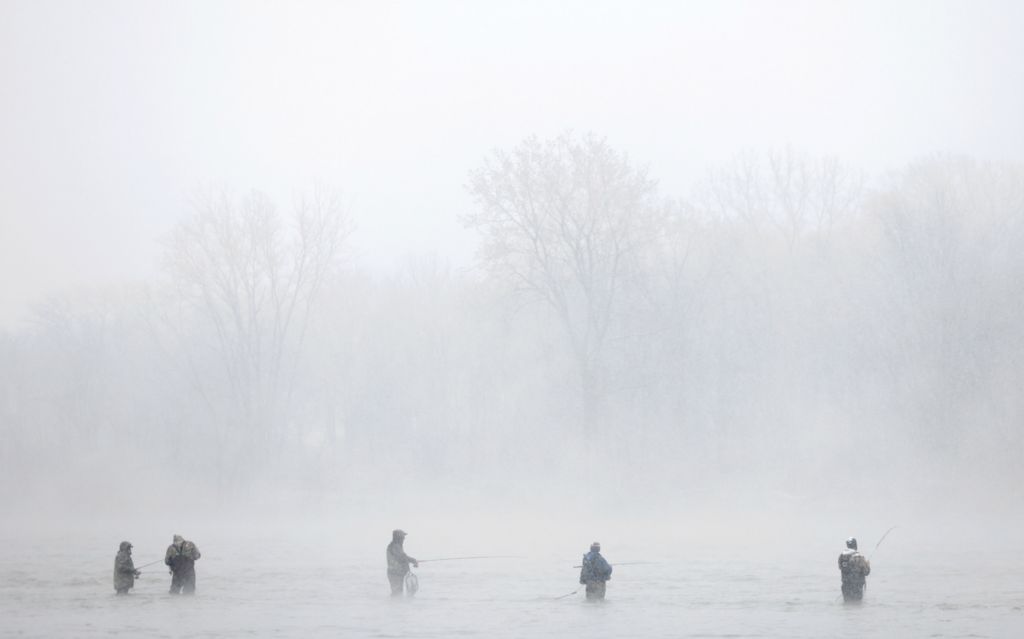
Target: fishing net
412	584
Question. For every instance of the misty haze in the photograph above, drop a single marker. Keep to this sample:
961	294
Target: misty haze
522	319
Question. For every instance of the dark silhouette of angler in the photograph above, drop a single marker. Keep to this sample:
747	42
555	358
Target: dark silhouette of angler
125	571
618	563
853	568
181	558
398	565
856	593
595	571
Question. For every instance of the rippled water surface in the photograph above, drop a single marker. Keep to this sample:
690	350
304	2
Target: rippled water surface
270	589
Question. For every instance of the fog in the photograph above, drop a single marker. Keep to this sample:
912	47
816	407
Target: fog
719	284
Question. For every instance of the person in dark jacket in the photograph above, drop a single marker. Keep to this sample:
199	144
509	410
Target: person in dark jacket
181	557
595	572
853	567
398	562
124	569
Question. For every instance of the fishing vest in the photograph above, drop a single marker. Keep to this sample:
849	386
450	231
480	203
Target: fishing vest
851	564
593	568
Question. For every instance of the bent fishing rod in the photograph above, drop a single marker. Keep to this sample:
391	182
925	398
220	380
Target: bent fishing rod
881	540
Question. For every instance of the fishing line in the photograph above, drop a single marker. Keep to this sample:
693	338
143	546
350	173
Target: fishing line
423	561
149	564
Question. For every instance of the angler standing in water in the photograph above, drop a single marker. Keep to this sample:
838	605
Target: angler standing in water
853	567
595	572
398	562
124	569
181	558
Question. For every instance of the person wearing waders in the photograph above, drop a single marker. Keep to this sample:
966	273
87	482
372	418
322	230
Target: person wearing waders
124	569
853	567
181	558
398	562
594	572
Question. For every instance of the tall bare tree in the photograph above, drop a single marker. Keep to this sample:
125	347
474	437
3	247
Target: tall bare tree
952	231
250	276
567	221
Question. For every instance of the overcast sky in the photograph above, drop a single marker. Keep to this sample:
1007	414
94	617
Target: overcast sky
113	113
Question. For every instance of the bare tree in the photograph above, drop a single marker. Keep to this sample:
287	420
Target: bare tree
249	277
567	221
792	193
952	230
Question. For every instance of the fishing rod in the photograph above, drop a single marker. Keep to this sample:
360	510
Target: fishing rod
149	564
876	548
881	540
423	561
625	563
622	563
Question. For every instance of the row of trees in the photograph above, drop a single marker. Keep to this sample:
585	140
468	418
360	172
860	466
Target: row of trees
787	309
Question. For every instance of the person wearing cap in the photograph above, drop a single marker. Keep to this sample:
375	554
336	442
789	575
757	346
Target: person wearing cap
853	567
595	572
181	557
398	562
124	569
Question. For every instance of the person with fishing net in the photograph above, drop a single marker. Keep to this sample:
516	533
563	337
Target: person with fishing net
398	564
124	569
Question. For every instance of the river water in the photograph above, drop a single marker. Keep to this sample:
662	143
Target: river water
267	587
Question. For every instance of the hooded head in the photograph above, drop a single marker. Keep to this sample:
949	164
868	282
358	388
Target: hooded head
595	547
178	539
126	546
398	535
851	543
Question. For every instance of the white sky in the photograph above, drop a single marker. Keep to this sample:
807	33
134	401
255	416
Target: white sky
112	113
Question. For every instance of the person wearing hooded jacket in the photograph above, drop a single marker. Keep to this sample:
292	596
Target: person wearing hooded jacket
853	568
124	569
181	557
398	562
595	572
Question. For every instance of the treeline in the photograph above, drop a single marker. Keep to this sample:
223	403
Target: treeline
789	319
